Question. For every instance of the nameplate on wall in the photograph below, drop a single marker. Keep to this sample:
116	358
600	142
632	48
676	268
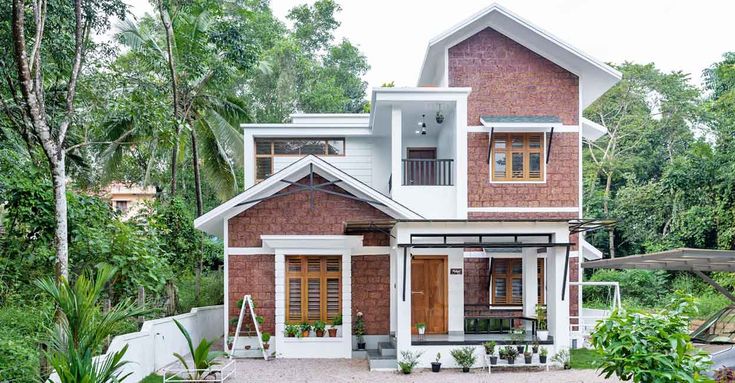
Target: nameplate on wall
457	271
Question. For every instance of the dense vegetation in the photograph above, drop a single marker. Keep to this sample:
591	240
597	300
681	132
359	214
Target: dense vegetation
157	101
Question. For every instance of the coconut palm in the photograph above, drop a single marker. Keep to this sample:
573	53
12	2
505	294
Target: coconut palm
82	329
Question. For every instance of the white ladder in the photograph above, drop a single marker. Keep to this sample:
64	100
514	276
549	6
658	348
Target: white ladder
247	300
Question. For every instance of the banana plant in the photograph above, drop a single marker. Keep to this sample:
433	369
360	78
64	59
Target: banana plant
202	357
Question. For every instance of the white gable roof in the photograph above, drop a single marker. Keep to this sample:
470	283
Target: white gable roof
595	77
592	130
213	221
589	252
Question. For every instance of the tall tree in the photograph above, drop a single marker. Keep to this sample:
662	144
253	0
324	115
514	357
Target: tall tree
47	122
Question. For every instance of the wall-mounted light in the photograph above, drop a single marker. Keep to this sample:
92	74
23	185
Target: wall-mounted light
422	126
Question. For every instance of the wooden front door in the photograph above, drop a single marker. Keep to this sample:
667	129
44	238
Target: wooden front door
429	293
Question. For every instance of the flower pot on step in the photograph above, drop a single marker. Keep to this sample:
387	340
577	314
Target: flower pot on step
535	349
265	346
511	360
319	333
529	359
305	334
332	332
493	360
435	366
361	346
542	359
520	349
542	335
465	369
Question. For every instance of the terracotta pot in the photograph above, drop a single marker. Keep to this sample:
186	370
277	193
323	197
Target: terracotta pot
305	334
332	332
265	346
319	333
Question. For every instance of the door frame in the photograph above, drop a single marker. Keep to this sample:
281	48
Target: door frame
445	263
420	148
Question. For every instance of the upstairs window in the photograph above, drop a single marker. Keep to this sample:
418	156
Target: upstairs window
517	157
266	149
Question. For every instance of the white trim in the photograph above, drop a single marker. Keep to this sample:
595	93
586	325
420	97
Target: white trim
510	209
482	254
249	251
372	250
226	292
589	252
308	242
522	126
592	130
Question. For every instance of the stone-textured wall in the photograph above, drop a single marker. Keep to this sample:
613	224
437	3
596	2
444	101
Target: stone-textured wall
476	281
254	275
293	215
559	190
371	292
509	79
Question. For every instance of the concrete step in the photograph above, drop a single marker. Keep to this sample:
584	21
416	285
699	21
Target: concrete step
359	354
387	349
393	340
379	362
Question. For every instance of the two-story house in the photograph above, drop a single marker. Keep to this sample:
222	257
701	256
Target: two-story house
456	204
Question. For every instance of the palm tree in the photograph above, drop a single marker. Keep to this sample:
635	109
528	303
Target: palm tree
82	328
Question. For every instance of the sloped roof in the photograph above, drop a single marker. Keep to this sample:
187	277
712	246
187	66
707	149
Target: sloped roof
596	76
213	221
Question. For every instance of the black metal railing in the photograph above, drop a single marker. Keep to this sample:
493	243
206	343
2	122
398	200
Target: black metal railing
427	172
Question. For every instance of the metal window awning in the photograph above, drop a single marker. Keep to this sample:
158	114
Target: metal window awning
696	261
521	124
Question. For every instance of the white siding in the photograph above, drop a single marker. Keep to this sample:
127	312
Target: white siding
357	161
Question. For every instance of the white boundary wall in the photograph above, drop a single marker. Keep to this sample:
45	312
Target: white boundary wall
152	348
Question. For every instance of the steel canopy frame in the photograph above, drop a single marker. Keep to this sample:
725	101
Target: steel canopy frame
696	261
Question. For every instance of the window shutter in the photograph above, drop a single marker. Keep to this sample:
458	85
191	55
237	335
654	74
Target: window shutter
333	298
313	288
314	298
294	299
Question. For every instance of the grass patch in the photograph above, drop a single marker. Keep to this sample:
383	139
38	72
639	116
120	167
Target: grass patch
584	359
152	378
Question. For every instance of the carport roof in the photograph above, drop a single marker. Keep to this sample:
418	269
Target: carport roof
683	259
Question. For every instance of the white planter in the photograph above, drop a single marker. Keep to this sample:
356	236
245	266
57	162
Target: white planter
543	335
421	330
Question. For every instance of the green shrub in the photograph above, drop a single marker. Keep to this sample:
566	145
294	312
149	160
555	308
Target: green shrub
640	287
18	359
212	290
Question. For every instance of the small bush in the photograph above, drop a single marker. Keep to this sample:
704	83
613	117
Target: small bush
212	290
18	360
409	360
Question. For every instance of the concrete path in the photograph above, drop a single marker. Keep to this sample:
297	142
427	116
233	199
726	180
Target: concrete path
345	370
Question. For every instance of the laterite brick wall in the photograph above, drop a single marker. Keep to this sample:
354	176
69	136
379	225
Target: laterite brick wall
371	292
254	275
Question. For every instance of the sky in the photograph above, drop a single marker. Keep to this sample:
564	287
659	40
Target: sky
674	34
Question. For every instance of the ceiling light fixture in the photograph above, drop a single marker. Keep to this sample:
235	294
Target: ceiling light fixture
422	126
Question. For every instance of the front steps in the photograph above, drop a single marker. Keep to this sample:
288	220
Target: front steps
384	358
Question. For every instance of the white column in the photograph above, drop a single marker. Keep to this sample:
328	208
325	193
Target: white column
396	149
460	171
403	317
249	160
393	283
557	309
347	304
530	282
455	291
227	285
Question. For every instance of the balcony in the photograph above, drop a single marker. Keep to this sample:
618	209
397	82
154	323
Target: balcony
427	172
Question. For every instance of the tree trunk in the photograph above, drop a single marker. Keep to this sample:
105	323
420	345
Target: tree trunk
198	193
58	175
172	299
168	27
606	209
141	302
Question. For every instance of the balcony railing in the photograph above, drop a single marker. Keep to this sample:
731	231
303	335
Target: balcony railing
427	172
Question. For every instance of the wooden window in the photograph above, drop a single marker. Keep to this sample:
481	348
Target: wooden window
268	148
313	288
517	157
507	282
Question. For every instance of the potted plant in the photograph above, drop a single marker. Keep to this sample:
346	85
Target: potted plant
408	361
490	351
542	332
291	330
359	331
510	354
535	347
319	327
562	357
464	356
421	328
502	353
528	356
265	337
305	328
518	337
337	321
436	365
542	355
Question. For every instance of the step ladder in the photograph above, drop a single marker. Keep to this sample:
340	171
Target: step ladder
247	300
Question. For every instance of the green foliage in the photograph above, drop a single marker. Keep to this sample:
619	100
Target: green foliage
83	328
202	357
464	356
409	360
641	287
651	347
582	358
212	290
18	360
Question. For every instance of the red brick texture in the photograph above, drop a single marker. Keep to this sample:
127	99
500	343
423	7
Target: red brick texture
292	214
476	281
509	79
559	190
371	292
573	290
254	275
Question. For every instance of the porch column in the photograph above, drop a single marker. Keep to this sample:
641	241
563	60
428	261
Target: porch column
403	314
396	150
557	309
530	283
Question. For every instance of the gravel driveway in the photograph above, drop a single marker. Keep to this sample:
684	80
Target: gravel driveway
347	370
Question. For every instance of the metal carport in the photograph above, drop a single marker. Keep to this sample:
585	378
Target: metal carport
696	261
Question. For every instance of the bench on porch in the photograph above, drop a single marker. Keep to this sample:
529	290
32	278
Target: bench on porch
480	319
